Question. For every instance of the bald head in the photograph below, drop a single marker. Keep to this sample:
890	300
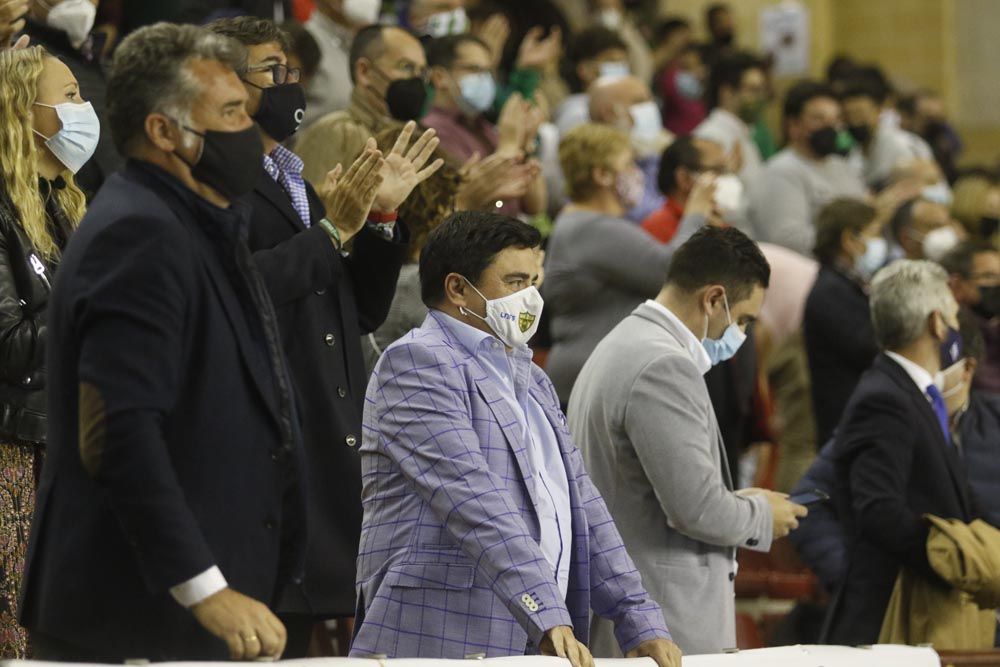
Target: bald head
610	96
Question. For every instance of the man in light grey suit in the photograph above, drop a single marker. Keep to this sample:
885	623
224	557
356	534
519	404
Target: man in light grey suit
642	417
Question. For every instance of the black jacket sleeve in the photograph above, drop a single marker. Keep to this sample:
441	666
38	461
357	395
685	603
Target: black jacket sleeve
300	266
22	339
374	265
134	309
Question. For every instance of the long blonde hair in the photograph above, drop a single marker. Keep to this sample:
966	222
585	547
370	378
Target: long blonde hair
19	74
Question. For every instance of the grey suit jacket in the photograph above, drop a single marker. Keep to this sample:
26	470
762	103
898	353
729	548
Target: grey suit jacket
641	415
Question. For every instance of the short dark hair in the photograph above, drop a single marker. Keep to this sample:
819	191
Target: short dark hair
589	43
712	12
148	75
443	51
729	71
667	27
837	217
367	43
801	94
720	256
840	67
861	86
466	243
683	152
251	31
304	45
959	259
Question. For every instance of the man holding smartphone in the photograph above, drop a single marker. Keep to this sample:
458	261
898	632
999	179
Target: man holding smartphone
641	414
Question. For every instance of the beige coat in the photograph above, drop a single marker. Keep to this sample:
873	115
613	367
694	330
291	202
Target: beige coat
962	617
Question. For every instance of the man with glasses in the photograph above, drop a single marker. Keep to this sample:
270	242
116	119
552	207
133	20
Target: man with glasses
325	300
974	278
389	70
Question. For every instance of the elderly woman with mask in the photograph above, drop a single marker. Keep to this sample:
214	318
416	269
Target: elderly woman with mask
47	132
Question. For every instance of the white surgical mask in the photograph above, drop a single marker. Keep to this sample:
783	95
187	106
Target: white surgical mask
939	242
939	193
611	19
514	318
73	17
728	193
76	141
613	69
443	24
647	124
876	252
362	12
476	92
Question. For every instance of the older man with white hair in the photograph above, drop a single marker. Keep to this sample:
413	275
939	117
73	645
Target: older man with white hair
894	454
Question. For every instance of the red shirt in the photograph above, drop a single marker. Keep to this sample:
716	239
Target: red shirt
663	223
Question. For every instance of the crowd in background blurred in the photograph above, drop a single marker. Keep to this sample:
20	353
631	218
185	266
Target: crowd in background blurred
611	128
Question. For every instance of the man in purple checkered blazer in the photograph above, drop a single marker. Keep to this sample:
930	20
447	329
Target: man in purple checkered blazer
482	532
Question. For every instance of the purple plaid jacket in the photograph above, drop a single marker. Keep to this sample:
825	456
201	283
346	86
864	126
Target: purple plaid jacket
449	563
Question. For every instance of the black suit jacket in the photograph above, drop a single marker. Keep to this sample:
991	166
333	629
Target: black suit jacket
172	444
893	466
840	344
325	303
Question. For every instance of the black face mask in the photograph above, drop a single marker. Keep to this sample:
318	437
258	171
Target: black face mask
988	226
824	141
230	162
407	99
861	133
724	38
989	302
281	110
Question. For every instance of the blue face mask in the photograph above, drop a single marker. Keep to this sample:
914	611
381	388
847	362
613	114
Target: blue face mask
876	252
951	348
724	348
689	85
613	69
478	91
76	140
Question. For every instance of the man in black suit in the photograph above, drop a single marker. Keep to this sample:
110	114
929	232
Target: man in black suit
325	302
170	509
893	451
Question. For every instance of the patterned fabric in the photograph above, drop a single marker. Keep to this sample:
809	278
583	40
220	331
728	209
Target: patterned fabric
17	505
285	167
449	562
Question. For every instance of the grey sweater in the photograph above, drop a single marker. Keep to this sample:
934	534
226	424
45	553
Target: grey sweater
597	270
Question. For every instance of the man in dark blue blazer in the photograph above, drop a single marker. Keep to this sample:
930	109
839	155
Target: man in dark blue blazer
325	300
894	453
170	509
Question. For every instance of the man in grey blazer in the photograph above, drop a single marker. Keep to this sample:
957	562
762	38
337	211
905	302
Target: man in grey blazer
642	417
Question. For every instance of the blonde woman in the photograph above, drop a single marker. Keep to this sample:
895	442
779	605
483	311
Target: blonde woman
47	132
976	205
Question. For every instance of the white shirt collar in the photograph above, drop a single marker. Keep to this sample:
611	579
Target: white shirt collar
694	347
917	373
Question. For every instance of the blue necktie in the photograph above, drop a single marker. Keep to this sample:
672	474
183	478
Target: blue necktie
937	402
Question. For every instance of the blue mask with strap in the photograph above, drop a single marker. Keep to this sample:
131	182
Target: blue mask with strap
724	348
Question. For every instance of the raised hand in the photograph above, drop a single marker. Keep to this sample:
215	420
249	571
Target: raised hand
538	53
402	170
12	20
511	124
495	32
349	199
481	179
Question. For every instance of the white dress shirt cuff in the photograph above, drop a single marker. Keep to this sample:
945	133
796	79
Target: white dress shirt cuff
197	589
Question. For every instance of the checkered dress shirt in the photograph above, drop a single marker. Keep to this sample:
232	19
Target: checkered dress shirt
285	167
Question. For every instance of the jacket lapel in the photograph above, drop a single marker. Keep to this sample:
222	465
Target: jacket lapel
931	424
276	196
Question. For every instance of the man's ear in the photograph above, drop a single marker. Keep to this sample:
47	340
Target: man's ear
162	132
456	290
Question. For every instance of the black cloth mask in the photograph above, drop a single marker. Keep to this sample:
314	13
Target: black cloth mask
281	111
861	133
230	162
407	99
988	226
824	141
989	302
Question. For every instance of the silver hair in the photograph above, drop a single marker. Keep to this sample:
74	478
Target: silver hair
903	296
149	75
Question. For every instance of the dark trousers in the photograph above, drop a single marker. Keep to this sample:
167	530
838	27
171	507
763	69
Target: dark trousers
50	649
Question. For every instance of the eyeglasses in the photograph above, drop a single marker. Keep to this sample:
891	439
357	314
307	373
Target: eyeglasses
280	74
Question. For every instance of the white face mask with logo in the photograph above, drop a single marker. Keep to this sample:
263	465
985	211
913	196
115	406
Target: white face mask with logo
514	318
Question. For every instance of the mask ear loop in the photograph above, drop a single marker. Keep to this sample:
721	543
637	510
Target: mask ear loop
465	311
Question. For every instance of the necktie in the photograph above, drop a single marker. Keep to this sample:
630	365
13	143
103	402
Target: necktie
937	402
